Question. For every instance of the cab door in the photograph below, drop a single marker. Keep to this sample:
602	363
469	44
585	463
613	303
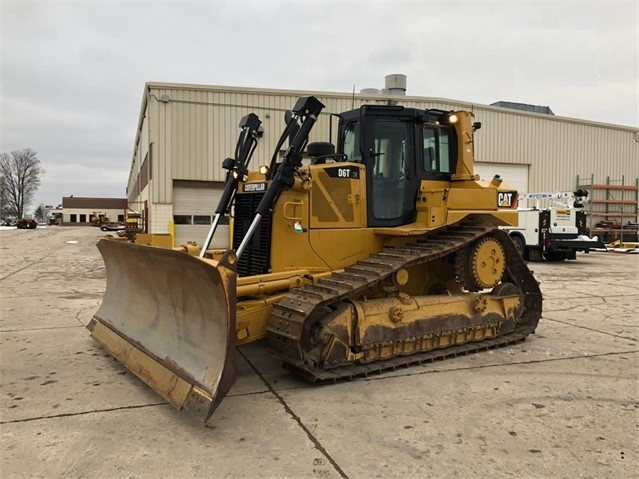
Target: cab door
389	150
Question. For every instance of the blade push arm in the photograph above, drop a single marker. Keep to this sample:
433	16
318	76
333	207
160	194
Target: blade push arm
309	109
237	168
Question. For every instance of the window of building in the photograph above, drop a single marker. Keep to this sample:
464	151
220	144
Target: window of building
120	218
201	220
73	218
83	218
182	219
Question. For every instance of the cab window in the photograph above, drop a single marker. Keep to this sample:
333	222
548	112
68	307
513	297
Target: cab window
437	150
351	142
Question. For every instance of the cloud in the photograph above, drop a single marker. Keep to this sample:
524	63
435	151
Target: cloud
72	73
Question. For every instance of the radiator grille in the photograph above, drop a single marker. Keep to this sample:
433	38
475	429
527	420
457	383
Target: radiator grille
256	258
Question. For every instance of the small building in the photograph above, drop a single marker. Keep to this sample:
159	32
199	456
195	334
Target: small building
78	211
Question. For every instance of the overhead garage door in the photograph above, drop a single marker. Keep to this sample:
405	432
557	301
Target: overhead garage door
194	204
514	175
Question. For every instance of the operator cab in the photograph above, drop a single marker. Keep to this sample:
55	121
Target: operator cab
400	147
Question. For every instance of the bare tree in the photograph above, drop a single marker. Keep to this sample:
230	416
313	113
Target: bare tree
20	174
4	210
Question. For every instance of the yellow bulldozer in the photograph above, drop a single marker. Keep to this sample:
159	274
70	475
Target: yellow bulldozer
384	251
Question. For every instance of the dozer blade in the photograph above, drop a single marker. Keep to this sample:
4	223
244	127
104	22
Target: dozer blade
170	319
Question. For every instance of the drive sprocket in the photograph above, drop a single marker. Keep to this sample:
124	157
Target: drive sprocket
483	264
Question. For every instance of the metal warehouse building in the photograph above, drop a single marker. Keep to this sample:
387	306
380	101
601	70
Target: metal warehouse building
186	131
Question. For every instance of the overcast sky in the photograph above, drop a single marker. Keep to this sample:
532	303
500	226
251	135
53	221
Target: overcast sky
73	73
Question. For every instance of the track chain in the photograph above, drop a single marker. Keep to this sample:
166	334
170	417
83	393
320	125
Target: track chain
292	317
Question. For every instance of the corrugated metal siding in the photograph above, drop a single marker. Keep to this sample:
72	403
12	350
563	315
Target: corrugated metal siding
141	148
513	175
557	151
198	128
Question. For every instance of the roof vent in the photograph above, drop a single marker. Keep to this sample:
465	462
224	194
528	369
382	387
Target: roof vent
396	84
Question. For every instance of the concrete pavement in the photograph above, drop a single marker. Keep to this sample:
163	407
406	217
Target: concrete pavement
565	403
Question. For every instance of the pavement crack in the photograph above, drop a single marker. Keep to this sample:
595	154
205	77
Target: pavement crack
29	330
486	366
32	263
83	413
253	393
297	419
590	329
81	311
382	376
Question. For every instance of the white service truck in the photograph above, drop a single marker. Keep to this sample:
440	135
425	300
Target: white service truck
554	232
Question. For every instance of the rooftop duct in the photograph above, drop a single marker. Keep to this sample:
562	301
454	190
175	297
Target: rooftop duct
396	84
